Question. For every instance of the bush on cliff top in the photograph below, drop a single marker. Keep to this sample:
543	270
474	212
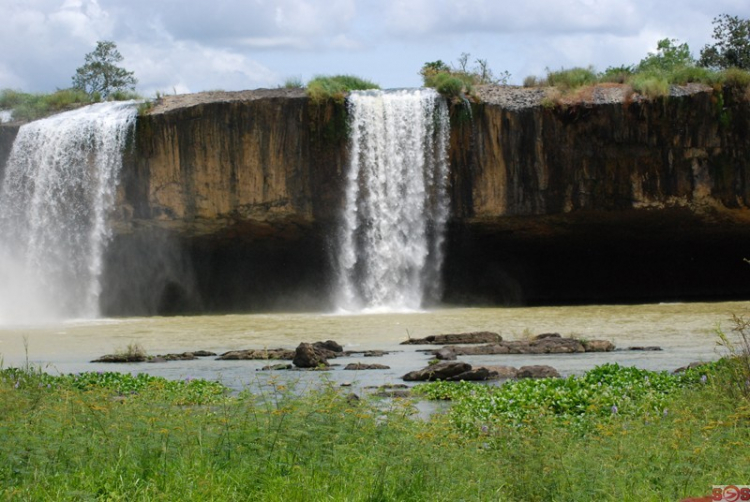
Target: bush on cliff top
458	81
571	78
28	106
322	88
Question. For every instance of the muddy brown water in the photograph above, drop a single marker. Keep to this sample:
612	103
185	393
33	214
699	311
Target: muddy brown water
685	331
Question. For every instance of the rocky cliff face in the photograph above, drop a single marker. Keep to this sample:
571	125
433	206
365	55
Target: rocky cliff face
620	200
240	192
230	201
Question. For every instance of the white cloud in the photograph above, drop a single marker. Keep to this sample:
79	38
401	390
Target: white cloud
188	67
237	44
548	17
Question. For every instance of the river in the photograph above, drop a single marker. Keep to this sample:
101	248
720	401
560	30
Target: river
685	331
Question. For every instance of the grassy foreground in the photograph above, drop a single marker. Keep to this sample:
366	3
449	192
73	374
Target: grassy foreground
116	437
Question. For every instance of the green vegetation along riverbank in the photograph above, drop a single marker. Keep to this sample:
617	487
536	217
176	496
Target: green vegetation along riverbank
613	434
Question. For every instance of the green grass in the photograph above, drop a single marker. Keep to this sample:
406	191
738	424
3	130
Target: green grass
107	436
293	83
571	78
323	88
29	106
653	83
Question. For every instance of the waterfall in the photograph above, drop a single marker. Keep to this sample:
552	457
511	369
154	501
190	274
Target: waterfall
58	190
390	247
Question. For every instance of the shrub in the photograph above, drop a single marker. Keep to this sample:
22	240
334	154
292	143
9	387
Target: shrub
735	77
650	85
450	85
457	82
533	81
27	106
10	98
293	83
336	87
617	74
738	362
687	74
571	78
123	95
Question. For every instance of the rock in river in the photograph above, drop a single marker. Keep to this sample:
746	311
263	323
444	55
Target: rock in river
439	371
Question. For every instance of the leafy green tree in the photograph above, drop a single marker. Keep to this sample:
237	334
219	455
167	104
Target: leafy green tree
668	57
732	46
100	75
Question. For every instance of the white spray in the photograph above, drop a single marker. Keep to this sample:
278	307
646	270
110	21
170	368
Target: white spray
391	241
58	190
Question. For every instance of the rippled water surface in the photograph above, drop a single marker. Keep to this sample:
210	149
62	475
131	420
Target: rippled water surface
685	331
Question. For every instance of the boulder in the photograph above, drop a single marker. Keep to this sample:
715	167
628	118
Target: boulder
362	366
329	345
456	338
277	367
445	354
548	344
393	393
598	346
545	336
479	374
696	364
482	350
503	372
551	345
537	371
305	356
645	349
439	371
256	354
121	358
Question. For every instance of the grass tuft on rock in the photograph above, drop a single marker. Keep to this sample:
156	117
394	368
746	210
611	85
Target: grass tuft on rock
336	87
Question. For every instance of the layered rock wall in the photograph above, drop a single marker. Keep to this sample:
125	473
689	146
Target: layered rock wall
229	201
618	200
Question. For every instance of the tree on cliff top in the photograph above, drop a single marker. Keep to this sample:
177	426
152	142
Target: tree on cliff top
100	76
669	56
732	46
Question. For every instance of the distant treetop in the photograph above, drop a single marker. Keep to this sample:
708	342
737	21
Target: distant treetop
732	46
100	76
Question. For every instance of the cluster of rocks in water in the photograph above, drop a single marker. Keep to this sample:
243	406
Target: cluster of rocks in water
446	367
443	366
305	356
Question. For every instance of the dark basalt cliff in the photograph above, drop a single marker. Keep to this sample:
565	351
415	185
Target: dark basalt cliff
622	201
229	201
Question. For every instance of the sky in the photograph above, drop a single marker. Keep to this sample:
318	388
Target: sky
181	46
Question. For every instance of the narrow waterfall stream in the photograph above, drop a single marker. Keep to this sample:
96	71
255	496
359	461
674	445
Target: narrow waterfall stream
390	246
58	190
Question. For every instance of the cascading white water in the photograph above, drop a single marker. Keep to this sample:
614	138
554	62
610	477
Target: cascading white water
57	192
391	240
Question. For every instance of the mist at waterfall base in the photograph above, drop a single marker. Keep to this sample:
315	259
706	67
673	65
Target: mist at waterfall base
58	191
390	246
